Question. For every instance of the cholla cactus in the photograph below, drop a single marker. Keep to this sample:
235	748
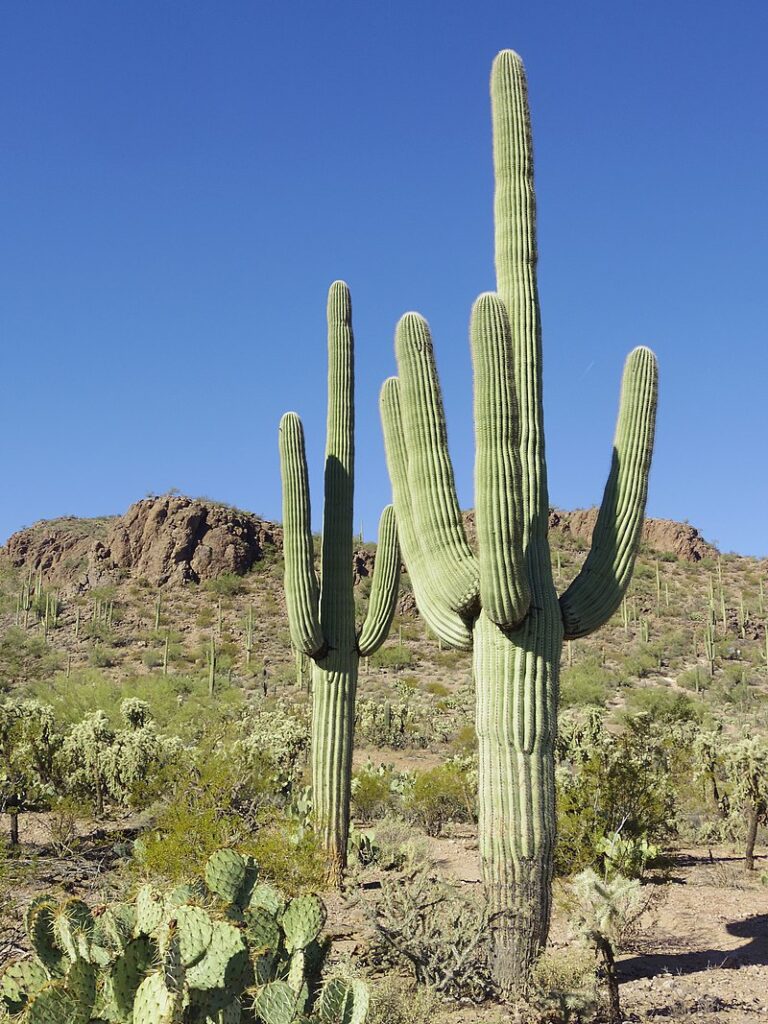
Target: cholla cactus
104	764
322	616
29	742
600	910
502	602
230	950
281	734
747	769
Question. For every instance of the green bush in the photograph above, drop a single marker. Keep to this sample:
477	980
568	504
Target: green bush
439	795
394	658
663	705
226	585
585	683
372	796
608	784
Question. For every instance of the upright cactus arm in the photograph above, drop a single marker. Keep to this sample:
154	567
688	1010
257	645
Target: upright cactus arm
443	620
301	586
516	257
504	589
435	507
596	593
386	580
337	607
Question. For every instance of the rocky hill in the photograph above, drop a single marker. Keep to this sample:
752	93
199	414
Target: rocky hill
173	539
165	540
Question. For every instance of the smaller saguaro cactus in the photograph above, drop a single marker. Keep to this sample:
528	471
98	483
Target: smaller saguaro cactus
321	613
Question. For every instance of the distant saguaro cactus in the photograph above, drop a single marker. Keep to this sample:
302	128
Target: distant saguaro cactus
502	602
322	615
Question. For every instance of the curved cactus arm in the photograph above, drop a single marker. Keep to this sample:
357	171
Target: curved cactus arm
435	506
384	586
441	619
504	591
597	591
301	587
337	606
516	257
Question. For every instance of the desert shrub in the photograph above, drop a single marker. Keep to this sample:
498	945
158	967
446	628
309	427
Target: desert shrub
442	794
613	783
227	584
564	984
372	795
215	805
399	846
432	927
61	825
465	741
396	1000
585	683
290	856
663	705
205	617
437	689
102	657
152	659
24	657
393	657
640	663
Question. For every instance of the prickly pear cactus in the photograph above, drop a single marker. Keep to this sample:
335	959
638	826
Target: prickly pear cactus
234	951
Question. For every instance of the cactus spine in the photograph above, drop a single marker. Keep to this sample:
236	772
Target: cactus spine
502	602
322	614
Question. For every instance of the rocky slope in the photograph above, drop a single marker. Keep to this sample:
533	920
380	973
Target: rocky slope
165	540
173	539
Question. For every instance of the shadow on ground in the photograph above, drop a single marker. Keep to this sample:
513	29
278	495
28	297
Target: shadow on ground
754	951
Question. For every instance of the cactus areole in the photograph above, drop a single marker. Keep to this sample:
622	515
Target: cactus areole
501	601
321	614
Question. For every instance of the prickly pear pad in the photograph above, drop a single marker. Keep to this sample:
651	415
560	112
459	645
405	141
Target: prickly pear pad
225	874
302	921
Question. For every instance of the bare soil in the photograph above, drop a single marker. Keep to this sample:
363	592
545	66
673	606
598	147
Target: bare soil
699	952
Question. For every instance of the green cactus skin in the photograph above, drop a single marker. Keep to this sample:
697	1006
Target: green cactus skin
302	921
502	603
202	958
322	616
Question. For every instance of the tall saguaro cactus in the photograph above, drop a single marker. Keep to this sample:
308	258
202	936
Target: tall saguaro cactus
502	601
322	614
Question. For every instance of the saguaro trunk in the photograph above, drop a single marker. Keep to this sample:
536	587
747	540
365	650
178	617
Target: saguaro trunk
333	703
516	682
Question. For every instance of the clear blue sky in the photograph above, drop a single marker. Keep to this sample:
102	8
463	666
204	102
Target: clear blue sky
180	182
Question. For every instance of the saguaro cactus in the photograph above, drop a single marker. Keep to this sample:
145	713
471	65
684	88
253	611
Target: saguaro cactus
322	615
502	601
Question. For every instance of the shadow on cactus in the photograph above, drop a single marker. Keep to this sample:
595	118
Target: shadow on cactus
229	949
